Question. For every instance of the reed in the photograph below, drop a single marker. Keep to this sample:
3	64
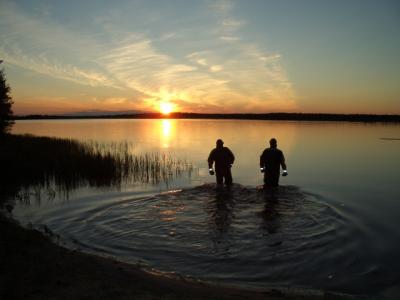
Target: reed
29	161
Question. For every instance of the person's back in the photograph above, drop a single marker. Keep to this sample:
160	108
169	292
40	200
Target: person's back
223	159
270	162
272	158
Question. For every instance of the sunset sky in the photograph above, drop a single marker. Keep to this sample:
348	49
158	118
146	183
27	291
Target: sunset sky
202	56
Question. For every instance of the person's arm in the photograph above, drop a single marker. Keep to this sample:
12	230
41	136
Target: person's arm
262	160
283	163
211	159
231	156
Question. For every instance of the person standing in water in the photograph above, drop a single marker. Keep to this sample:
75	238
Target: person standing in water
223	159
270	162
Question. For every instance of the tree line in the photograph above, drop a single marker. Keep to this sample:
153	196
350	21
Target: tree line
6	103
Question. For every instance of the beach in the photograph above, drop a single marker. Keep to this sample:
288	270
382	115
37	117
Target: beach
33	267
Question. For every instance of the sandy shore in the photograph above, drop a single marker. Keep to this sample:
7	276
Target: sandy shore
32	267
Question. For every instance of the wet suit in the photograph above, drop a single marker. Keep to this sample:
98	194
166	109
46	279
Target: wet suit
271	160
223	158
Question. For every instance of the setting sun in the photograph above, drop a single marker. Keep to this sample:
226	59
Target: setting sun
166	108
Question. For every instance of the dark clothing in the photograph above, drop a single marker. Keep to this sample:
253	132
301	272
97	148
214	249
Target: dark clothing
223	159
271	160
221	173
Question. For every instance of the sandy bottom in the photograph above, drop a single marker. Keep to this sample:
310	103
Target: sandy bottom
32	267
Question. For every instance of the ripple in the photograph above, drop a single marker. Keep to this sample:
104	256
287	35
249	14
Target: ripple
242	235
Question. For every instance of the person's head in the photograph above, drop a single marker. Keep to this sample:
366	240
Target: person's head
220	143
273	143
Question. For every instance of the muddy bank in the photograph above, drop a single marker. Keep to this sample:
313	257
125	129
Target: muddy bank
32	267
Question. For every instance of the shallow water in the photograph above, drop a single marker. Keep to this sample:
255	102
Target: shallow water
332	224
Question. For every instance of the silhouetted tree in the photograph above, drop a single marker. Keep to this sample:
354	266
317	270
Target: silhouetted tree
5	104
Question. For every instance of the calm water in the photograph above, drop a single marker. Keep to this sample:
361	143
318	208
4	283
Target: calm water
333	223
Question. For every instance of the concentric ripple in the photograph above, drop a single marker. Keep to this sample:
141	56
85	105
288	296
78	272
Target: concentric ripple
244	236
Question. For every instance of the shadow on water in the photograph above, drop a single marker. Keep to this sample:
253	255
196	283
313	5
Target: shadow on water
220	214
225	206
270	214
40	167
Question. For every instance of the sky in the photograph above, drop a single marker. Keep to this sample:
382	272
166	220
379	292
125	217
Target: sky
221	56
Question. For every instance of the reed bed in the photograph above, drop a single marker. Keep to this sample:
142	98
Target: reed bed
28	162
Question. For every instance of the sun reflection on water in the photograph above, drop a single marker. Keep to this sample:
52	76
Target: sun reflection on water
166	133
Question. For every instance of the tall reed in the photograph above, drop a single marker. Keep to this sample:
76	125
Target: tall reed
27	161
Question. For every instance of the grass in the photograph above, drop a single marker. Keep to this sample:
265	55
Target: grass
29	163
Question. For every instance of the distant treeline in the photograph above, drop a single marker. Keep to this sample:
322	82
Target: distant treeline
268	116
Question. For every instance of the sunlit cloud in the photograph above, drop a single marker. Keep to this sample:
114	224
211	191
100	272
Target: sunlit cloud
226	74
47	105
202	62
111	100
216	68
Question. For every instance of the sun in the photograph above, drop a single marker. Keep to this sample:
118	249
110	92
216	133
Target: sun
166	108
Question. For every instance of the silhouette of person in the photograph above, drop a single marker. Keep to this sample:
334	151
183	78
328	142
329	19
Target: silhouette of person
223	159
270	162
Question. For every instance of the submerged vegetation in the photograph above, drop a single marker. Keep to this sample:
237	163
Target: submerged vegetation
33	163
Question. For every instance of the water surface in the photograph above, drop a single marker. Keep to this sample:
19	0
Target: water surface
332	224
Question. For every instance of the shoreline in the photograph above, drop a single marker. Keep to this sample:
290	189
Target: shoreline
280	116
33	267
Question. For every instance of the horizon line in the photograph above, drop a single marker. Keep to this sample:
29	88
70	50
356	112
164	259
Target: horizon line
278	116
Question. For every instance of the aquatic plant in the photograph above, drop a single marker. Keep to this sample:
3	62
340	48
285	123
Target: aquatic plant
30	162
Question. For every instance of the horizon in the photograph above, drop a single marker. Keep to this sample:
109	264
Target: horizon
106	113
273	116
205	57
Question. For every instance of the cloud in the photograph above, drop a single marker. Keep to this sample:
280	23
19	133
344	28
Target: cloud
170	36
55	69
221	6
218	72
202	62
36	45
141	67
111	100
232	24
230	38
216	68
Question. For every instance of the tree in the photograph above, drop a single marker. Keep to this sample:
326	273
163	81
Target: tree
5	104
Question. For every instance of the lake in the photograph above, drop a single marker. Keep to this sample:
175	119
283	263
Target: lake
331	225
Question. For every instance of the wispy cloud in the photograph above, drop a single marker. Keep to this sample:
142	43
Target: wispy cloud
221	6
216	68
224	73
36	45
232	24
170	36
230	38
54	69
